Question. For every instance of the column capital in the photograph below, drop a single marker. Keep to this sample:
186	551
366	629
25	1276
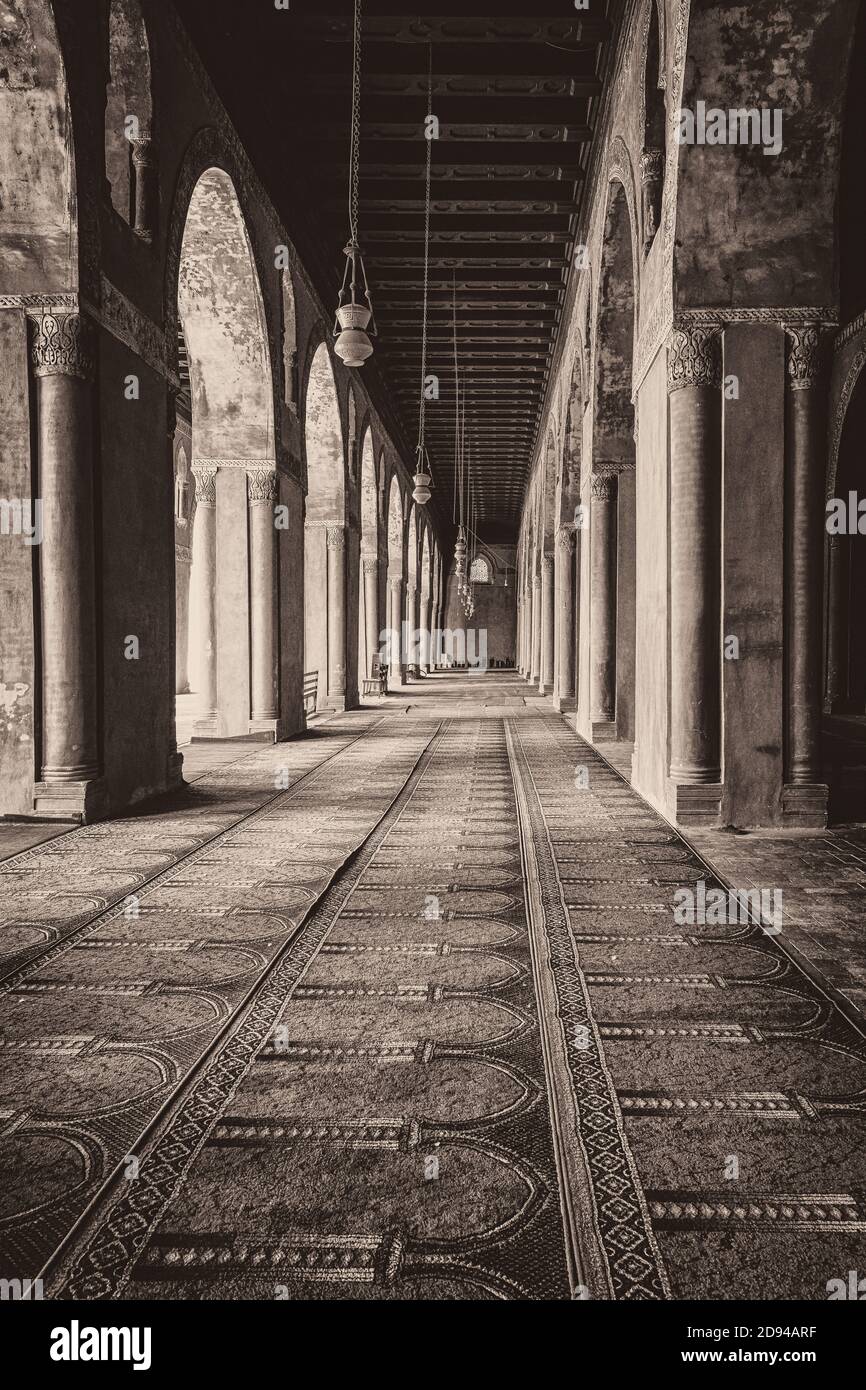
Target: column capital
603	486
536	581
143	152
205	483
565	538
336	537
694	357
371	564
64	345
261	485
395	582
652	164
805	355
547	564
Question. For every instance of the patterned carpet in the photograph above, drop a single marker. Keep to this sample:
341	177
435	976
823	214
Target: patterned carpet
400	1011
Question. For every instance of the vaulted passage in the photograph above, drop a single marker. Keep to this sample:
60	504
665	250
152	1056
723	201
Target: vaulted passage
422	1023
432	657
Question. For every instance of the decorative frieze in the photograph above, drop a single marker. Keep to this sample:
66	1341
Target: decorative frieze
63	345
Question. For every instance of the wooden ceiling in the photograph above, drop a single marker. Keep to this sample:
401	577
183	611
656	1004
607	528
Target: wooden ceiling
516	90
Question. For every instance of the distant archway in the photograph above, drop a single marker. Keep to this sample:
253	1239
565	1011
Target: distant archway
368	589
325	535
613	510
232	658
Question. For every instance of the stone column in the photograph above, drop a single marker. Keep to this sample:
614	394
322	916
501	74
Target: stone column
548	616
64	362
694	381
426	625
839	584
395	624
805	426
146	186
203	597
564	694
336	698
412	624
261	494
535	654
371	609
602	540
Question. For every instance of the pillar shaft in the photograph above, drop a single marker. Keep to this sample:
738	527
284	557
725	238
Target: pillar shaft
565	617
64	368
535	650
144	163
804	553
262	492
336	617
426	625
603	598
395	620
548	613
838	659
411	621
371	610
203	592
694	379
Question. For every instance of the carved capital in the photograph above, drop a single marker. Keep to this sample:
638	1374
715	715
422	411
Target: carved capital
371	565
694	357
395	583
547	565
64	345
336	538
536	581
261	485
205	485
805	357
652	165
143	152
603	486
565	539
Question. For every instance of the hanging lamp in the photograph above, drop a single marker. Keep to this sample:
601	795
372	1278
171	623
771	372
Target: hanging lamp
354	322
423	476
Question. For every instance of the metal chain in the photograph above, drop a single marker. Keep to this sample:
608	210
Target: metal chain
429	138
355	142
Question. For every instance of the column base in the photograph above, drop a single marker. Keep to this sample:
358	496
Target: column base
174	769
696	803
565	704
545	688
804	805
336	703
205	727
84	802
265	729
604	731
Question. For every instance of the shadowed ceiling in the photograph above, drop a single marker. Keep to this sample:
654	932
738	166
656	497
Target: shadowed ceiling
516	90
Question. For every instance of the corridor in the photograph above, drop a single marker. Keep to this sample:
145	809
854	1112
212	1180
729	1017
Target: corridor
399	1010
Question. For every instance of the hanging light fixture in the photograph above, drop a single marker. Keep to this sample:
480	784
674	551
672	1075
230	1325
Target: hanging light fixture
423	475
354	307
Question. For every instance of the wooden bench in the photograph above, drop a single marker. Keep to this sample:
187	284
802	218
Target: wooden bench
377	682
311	691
